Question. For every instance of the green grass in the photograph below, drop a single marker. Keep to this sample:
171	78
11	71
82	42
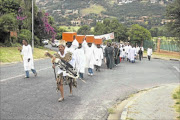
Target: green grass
111	111
96	9
163	55
176	96
70	28
11	54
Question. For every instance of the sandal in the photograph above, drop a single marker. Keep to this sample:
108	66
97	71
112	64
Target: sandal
60	99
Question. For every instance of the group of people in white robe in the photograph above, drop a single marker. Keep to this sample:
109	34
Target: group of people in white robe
90	55
132	53
85	55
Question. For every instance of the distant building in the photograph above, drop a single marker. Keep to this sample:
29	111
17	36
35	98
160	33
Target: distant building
164	21
76	22
153	1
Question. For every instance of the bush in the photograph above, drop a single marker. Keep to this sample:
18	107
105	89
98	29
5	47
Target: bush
15	44
25	35
13	39
7	43
2	45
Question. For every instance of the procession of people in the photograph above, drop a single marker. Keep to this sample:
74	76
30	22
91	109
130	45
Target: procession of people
76	55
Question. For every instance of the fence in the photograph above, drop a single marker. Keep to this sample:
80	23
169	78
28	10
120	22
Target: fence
165	44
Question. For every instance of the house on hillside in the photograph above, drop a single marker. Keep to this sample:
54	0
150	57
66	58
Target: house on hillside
76	22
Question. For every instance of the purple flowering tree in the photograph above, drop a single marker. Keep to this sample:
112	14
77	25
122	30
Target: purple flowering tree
48	28
20	17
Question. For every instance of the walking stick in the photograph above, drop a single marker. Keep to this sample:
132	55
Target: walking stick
54	73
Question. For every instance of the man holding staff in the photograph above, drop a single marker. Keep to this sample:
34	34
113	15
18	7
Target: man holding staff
26	51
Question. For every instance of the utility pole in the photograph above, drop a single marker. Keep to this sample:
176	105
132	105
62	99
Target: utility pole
33	25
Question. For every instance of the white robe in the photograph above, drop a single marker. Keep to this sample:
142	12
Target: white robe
75	44
89	53
149	52
121	50
27	53
132	53
80	60
129	53
98	54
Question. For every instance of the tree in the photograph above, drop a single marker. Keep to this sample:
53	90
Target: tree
154	32
121	33
9	6
84	30
138	34
173	13
59	33
99	28
25	35
7	23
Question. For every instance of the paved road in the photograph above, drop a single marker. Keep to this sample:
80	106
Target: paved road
36	98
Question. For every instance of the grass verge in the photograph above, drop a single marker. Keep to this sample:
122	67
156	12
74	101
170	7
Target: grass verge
176	97
11	54
163	55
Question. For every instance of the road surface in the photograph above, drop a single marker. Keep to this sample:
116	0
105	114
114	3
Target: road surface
36	97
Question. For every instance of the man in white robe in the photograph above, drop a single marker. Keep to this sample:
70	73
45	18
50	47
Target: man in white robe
98	54
75	43
149	53
70	48
80	60
89	53
129	53
26	51
132	54
137	51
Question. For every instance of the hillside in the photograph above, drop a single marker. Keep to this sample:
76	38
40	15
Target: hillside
80	12
96	9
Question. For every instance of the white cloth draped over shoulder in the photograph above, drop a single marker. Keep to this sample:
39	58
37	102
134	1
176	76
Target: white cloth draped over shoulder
80	60
89	53
98	54
27	54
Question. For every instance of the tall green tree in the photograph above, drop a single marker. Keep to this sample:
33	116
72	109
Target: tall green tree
138	34
59	33
173	13
84	30
9	6
99	28
7	23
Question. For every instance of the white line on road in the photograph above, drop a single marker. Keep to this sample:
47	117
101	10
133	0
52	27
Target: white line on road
176	68
22	75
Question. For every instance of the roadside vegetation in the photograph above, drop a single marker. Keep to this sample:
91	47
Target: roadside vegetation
176	97
11	54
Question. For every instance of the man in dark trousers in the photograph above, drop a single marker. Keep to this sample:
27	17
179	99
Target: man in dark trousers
109	56
140	54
